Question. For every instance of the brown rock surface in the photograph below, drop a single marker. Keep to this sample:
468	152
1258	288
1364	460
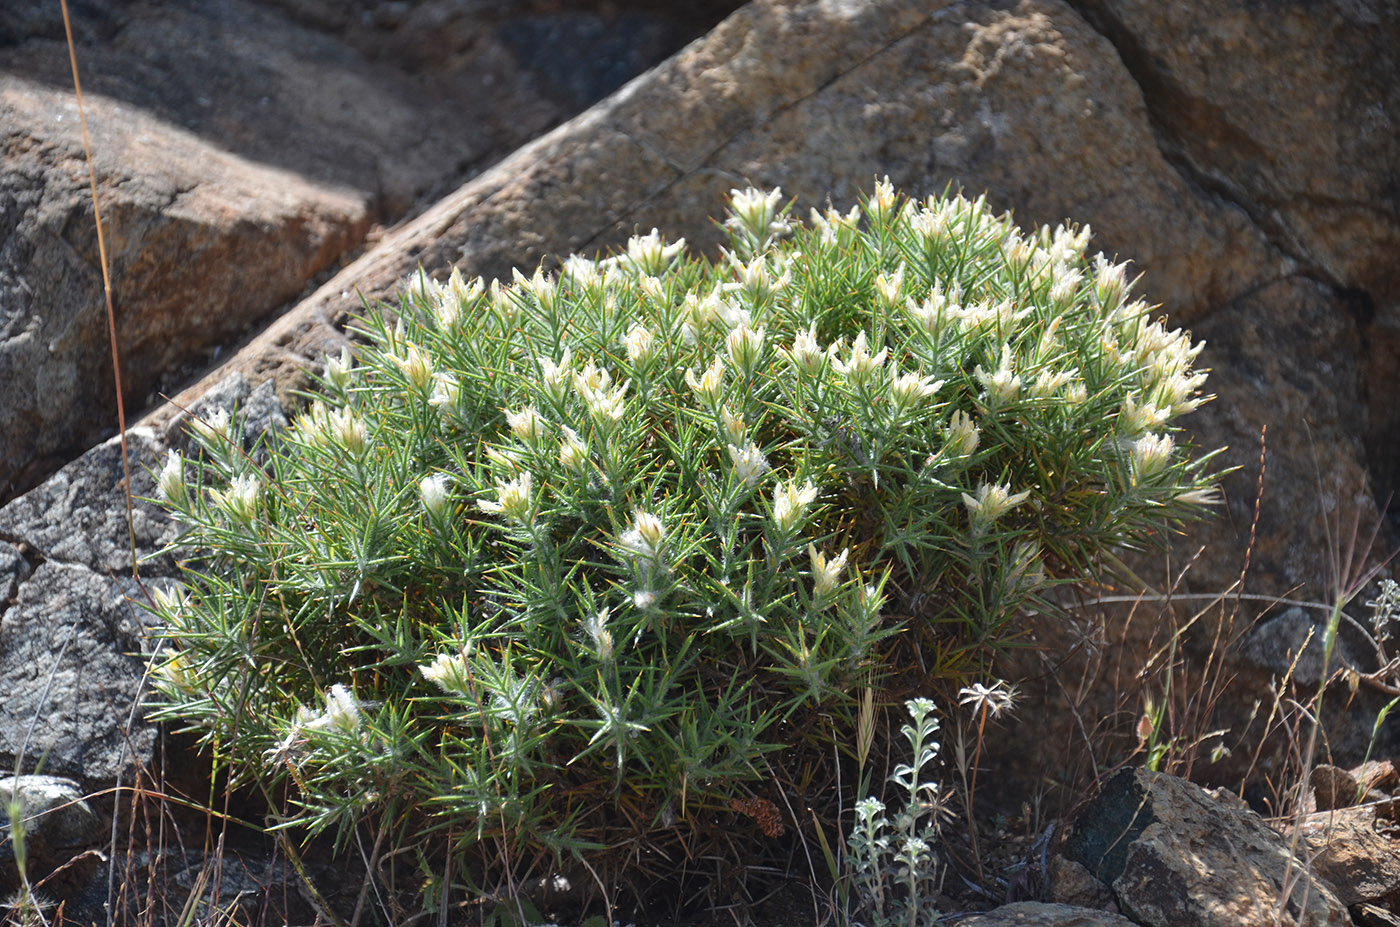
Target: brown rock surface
1289	110
201	244
1177	857
752	102
1357	849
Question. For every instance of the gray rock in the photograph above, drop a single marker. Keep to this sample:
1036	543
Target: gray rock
55	816
14	569
1041	914
78	516
72	643
1294	641
1177	857
1288	110
71	668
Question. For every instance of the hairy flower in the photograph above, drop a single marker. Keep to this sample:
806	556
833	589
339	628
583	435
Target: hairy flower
650	254
556	376
889	287
596	626
1208	496
880	206
756	284
171	482
654	288
177	673
835	228
639	344
337	370
790	504
1048	382
433	490
513	499
909	390
1002	385
1151	454
731	425
859	366
993	699
573	453
582	275
449	672
343	710
538	285
503	458
211	428
806	354
348	430
698	313
447	394
756	212
745	348
826	573
749	463
416	367
463	293
1138	416
607	406
647	536
1110	283
170	602
1065	288
591	379
991	502
240	500
934	314
526	424
1018	252
709	386
961	437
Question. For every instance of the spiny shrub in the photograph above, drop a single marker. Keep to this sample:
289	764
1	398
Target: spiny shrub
564	565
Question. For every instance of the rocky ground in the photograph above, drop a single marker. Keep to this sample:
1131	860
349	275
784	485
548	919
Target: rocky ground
262	164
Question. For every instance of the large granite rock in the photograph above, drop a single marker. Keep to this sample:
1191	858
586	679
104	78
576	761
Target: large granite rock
240	150
1025	102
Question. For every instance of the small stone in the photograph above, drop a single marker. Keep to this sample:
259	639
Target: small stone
1041	914
1072	884
56	816
1333	788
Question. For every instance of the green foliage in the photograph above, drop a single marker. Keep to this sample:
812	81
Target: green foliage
556	566
893	863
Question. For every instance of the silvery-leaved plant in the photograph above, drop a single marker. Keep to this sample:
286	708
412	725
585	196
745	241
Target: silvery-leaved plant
566	564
